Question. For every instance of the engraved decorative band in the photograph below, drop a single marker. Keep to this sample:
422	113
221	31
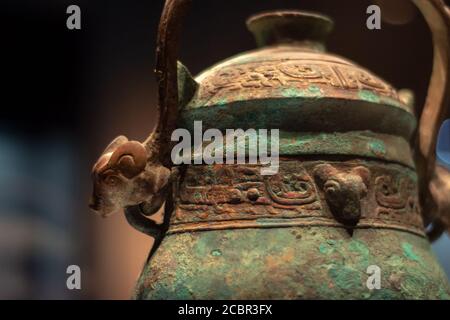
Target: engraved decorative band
355	193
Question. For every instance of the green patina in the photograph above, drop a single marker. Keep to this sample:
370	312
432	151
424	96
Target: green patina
318	116
362	252
325	248
222	102
383	294
357	143
377	147
293	92
346	278
409	252
411	282
315	90
197	195
291	263
370	96
443	295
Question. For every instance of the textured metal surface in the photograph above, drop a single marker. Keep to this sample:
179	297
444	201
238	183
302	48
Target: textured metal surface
347	194
372	194
363	144
292	71
292	263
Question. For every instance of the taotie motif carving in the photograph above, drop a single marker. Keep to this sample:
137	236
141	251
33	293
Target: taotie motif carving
397	197
392	194
303	193
343	190
292	188
295	72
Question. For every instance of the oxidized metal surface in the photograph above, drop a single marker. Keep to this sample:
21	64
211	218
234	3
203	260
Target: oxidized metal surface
355	193
292	263
363	144
347	195
290	88
287	71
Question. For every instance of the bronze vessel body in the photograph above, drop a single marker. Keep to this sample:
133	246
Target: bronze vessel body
353	189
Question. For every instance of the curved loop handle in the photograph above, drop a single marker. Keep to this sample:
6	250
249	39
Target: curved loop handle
140	222
437	16
437	104
169	34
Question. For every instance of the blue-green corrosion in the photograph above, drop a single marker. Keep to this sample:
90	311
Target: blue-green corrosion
292	263
355	143
311	92
370	96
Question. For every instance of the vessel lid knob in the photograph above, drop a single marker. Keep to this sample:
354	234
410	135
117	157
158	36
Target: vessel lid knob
289	27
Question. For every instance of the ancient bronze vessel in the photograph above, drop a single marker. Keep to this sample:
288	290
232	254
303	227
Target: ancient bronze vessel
357	184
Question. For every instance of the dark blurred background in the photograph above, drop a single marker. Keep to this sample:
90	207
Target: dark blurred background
67	93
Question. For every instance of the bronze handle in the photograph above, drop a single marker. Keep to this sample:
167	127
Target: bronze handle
437	15
169	32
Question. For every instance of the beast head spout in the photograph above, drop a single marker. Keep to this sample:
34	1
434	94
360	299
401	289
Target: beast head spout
122	177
